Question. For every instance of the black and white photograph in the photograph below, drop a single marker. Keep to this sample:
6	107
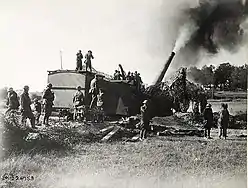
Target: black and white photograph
123	93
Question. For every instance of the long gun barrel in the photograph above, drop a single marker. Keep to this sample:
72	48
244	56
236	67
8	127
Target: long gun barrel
166	66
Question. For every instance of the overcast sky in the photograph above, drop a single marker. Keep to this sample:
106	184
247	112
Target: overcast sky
139	34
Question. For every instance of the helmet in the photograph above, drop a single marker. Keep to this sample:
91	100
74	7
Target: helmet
26	87
10	89
208	105
78	87
49	85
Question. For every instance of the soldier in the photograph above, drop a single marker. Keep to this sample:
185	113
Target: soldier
48	97
208	116
78	97
26	111
87	61
145	120
37	106
94	90
100	105
12	100
223	121
79	60
128	77
115	75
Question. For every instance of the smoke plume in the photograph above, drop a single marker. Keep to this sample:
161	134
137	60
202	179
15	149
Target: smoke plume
213	25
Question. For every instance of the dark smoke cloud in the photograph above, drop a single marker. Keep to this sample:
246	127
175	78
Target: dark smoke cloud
219	25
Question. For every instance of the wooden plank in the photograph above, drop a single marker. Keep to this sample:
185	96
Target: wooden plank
110	135
135	138
107	129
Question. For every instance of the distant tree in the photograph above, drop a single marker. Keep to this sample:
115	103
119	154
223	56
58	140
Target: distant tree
3	93
195	75
222	75
239	78
208	75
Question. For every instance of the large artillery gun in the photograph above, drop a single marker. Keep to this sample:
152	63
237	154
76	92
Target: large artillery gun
174	94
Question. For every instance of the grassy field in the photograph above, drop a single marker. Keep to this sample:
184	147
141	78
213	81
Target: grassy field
158	162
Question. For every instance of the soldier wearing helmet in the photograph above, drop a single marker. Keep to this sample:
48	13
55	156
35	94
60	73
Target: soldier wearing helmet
12	100
208	116
48	97
79	60
145	119
26	111
87	61
78	97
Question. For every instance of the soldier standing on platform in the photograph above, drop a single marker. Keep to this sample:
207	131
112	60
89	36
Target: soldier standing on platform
48	97
79	61
26	111
87	61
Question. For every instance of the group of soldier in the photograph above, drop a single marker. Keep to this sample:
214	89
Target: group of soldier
207	113
96	96
133	78
25	105
87	60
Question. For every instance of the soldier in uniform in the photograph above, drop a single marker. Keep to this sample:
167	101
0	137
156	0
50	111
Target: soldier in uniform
208	116
48	97
78	101
145	120
26	111
12	100
94	91
79	60
78	97
87	61
37	106
223	121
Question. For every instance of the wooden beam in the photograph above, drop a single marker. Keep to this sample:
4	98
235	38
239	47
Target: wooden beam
107	129
111	134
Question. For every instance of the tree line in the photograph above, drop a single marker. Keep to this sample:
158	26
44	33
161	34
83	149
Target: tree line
224	77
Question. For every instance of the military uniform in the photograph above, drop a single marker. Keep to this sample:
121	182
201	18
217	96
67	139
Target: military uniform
48	97
79	61
208	116
12	101
88	58
223	123
78	99
94	90
145	120
26	111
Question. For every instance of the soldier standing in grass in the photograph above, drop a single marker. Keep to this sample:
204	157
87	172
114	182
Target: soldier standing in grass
37	106
145	120
12	100
26	111
208	116
223	121
48	97
87	61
